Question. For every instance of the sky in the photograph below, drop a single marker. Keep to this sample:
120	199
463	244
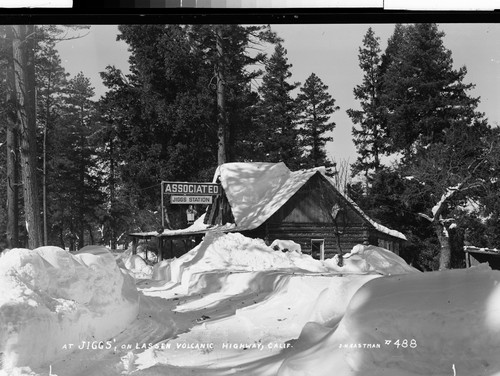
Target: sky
331	52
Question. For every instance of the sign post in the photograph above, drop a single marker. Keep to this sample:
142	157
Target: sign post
187	193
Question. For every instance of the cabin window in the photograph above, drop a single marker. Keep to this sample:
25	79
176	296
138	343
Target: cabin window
318	249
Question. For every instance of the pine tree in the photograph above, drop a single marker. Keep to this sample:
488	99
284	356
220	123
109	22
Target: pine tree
238	63
163	116
394	45
434	123
370	139
50	83
117	113
78	180
9	119
423	94
23	44
315	106
277	113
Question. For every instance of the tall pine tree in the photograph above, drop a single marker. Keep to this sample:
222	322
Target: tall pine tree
51	81
77	185
433	122
23	44
163	116
315	106
370	138
423	94
277	113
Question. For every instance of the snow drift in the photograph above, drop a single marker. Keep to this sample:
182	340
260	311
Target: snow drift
406	325
275	291
235	252
51	298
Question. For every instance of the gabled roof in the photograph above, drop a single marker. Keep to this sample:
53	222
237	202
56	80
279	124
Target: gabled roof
255	191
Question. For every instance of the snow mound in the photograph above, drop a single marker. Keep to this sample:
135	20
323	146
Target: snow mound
285	245
138	266
234	252
51	298
371	259
406	325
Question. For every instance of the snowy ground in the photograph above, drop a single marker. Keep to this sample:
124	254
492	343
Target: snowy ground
233	306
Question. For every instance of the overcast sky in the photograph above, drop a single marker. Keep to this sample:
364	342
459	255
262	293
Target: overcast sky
331	52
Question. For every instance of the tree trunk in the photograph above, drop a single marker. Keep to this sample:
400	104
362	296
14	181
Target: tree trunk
24	69
80	231
444	241
91	235
339	247
44	184
222	132
12	229
112	193
12	189
44	175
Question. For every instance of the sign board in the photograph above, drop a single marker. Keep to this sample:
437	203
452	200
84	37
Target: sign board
192	200
191	189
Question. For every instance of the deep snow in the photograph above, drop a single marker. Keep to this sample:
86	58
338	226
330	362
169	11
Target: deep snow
234	306
427	324
51	298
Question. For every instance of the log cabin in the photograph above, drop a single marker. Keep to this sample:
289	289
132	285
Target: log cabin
268	201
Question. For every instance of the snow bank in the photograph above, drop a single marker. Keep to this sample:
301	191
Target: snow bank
332	302
371	259
229	253
415	324
138	266
235	252
51	298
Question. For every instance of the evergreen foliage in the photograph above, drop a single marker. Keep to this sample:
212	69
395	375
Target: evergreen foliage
315	106
423	93
277	113
101	163
370	138
428	117
161	120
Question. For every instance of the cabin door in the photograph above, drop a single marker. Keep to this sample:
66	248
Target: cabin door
318	249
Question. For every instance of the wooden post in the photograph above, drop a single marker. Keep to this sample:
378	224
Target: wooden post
162	207
160	248
134	245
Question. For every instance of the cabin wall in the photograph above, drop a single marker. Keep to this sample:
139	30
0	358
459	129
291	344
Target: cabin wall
303	234
307	217
385	241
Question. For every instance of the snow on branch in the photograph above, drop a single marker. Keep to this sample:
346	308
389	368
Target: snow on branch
450	191
447	195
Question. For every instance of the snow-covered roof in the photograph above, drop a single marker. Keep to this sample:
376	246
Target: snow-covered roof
474	249
255	191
